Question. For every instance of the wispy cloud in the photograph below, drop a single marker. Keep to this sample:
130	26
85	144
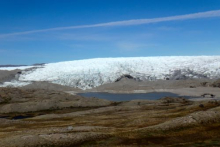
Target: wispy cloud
165	28
83	37
9	51
2	50
207	14
133	46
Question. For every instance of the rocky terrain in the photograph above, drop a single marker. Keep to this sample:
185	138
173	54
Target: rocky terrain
43	117
216	83
45	114
15	100
6	75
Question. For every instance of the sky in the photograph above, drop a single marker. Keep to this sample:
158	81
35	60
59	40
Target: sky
45	31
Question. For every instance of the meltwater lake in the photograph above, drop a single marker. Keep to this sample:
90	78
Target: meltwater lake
130	96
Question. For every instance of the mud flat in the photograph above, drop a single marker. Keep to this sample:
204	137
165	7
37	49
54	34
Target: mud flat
194	92
193	87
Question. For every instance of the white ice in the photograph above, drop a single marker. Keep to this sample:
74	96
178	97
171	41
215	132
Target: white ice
90	73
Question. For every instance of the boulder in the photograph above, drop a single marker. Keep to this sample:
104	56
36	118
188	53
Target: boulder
216	83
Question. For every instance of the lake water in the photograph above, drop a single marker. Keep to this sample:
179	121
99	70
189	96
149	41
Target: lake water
128	97
16	117
21	117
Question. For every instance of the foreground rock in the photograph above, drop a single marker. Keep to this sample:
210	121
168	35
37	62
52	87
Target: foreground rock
165	122
216	83
8	75
18	100
49	86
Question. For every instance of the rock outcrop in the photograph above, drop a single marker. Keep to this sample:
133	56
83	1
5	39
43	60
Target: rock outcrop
216	83
20	100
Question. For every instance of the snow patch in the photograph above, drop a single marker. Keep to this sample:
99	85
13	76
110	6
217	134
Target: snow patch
14	68
15	83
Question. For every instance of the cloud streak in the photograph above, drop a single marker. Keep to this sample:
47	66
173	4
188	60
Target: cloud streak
207	14
2	51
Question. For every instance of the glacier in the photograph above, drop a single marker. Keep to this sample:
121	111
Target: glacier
89	73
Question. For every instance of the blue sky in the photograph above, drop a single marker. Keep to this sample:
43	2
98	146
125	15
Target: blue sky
43	31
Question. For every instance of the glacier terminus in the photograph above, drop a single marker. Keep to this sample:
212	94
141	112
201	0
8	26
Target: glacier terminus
89	73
